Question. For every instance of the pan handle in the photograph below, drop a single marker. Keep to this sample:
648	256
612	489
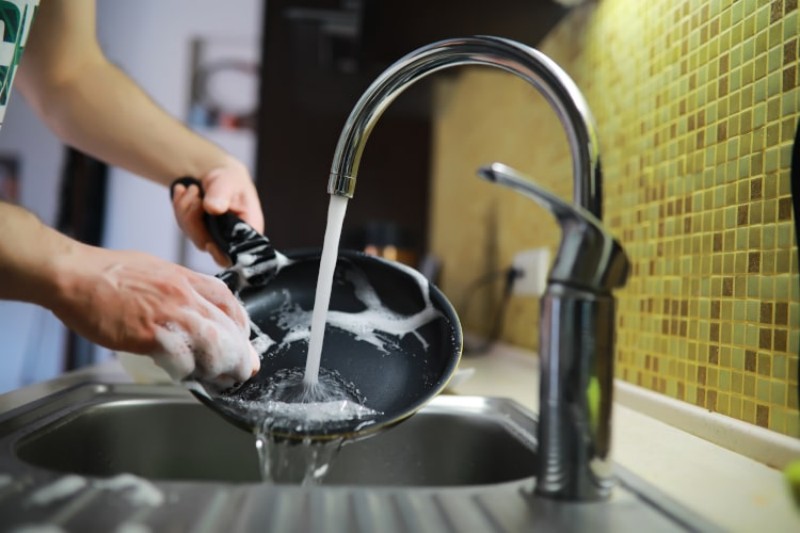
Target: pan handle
236	238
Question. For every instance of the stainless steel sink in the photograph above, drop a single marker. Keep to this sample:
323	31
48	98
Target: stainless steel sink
452	441
462	464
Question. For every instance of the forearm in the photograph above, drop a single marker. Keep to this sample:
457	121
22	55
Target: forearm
95	107
29	253
101	112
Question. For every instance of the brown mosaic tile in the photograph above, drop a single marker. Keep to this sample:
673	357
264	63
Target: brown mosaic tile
700	399
713	355
762	416
750	361
711	400
742	215
780	340
766	313
789	78
785	209
754	262
781	313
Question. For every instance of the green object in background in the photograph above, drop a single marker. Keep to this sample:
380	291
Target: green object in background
792	475
593	399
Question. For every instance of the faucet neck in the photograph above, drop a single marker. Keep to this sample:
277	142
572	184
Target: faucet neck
523	61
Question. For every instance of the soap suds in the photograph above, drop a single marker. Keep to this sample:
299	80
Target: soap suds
372	325
38	528
286	401
137	491
132	527
58	490
249	264
210	347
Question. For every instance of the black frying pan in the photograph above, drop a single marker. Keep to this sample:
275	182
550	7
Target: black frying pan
395	381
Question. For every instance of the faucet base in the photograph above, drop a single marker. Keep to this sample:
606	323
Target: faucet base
576	394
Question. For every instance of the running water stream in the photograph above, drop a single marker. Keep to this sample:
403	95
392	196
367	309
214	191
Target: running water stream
327	265
312	401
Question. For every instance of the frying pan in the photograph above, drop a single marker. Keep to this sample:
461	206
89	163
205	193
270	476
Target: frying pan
394	379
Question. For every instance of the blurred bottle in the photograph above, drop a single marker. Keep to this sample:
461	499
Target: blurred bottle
386	239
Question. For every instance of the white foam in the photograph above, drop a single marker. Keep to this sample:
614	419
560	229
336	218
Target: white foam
38	528
372	325
261	342
247	263
132	527
58	490
308	414
139	492
211	347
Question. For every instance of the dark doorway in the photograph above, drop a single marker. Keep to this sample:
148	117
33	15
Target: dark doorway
318	58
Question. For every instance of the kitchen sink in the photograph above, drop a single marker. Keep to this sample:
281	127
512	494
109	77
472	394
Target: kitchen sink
100	456
452	441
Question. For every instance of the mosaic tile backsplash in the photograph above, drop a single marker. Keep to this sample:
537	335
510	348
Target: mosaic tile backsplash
697	104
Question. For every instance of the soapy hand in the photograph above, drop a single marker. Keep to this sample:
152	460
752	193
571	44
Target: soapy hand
227	188
189	323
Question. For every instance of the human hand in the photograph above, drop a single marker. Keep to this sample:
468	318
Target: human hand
189	323
227	188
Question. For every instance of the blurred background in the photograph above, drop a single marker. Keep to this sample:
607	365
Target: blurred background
272	82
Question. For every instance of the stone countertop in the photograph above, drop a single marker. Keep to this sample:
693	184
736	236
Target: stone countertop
725	487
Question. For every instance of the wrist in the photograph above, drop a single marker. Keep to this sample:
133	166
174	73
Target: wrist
61	273
210	158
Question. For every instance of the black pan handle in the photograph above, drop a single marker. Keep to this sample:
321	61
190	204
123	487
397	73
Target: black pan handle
237	239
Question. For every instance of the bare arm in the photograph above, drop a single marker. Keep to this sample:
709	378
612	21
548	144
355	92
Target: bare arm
91	105
189	323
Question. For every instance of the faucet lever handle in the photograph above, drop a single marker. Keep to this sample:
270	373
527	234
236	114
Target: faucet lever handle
589	256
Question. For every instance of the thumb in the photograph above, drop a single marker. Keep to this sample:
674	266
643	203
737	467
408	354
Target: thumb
218	196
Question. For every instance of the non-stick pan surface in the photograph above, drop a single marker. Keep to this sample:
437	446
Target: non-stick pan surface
394	379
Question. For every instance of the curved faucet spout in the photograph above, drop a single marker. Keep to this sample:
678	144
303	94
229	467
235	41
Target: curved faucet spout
527	63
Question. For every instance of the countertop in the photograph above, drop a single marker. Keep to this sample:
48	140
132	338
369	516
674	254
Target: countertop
724	487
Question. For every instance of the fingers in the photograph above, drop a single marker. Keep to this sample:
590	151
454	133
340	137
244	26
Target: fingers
219	193
188	207
217	293
228	190
190	324
231	325
205	344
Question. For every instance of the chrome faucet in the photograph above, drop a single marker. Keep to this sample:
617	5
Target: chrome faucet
576	346
577	320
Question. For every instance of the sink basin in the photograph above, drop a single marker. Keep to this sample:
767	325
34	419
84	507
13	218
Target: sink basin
452	441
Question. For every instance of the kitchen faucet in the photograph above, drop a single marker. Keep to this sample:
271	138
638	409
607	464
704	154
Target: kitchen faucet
578	309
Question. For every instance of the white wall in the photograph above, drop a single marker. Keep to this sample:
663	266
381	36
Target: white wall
150	40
